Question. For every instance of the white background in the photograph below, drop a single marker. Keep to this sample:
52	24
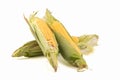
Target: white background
101	17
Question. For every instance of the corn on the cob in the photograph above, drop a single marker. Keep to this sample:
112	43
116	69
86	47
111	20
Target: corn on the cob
45	38
68	48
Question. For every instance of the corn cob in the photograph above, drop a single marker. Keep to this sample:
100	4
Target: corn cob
68	48
45	38
32	49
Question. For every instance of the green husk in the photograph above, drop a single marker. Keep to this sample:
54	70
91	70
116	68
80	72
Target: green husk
90	39
87	42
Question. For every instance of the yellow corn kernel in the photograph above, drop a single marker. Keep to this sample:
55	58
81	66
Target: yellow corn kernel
43	27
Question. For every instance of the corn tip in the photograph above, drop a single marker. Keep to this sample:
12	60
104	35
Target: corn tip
82	70
17	53
55	68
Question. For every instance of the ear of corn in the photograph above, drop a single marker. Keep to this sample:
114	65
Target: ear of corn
68	48
45	39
